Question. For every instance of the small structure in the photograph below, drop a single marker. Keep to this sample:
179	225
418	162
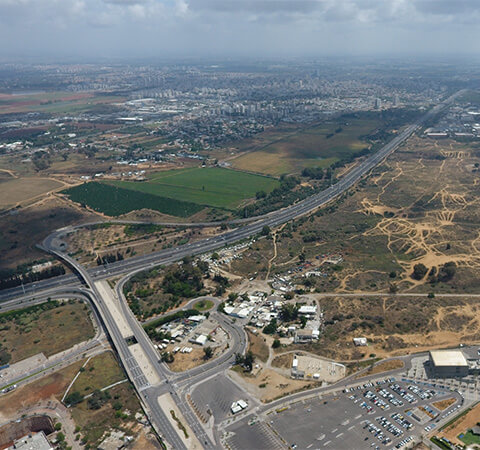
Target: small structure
306	335
306	310
36	441
200	340
310	368
360	342
448	363
238	406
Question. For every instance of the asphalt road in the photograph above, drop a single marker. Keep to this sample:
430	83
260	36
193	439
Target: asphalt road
148	393
169	256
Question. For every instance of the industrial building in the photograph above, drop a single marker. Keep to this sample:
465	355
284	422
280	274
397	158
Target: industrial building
448	363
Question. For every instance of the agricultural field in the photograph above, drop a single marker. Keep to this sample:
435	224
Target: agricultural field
216	187
315	146
18	190
113	200
54	102
49	328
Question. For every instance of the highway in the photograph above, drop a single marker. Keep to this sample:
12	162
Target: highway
148	393
169	256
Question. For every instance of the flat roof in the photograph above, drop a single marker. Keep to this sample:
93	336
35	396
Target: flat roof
448	358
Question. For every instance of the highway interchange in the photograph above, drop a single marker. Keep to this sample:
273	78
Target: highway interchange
90	286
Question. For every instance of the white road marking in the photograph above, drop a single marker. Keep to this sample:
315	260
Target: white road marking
326	443
338	435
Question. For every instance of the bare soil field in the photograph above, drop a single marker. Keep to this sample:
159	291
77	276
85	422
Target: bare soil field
257	345
269	385
383	367
19	190
444	404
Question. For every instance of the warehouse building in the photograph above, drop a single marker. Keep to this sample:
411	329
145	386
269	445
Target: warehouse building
448	363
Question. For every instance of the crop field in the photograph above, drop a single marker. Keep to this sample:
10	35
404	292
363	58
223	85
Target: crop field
17	190
216	187
319	146
53	102
114	200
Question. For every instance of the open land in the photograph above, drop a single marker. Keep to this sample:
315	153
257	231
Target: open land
101	371
388	224
45	330
318	145
54	102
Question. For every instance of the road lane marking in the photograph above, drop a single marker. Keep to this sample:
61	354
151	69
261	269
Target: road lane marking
326	443
338	435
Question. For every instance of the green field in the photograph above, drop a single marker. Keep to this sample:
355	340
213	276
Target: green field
114	201
319	146
469	438
221	188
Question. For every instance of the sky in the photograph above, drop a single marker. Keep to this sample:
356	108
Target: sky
237	28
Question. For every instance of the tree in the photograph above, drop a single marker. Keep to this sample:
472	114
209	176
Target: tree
266	230
249	360
208	352
276	343
73	398
271	328
447	272
419	271
289	312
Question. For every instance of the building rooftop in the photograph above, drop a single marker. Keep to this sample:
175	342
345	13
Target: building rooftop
37	441
448	358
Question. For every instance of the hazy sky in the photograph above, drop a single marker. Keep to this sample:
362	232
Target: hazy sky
237	27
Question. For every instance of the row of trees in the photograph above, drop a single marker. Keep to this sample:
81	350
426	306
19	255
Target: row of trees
31	277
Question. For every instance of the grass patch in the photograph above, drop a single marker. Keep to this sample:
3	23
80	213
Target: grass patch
49	330
114	200
203	305
216	187
101	371
179	423
469	438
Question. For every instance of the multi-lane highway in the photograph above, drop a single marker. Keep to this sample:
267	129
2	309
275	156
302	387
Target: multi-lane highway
147	391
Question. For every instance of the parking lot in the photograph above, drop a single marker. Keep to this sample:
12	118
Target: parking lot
387	414
216	395
248	434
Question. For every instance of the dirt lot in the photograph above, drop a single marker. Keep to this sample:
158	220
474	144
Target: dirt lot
465	422
257	345
268	385
185	361
384	367
444	404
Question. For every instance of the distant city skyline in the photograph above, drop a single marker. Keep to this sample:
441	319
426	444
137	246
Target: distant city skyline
237	28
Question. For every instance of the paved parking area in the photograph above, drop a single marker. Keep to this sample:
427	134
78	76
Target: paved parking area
371	417
253	436
217	395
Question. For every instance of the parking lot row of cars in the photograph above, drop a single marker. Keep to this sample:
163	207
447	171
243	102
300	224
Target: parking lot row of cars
404	442
389	426
377	432
404	423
